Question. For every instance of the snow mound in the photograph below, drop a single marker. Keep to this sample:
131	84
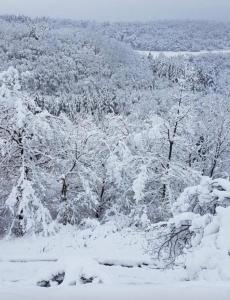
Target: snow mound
73	271
197	238
209	256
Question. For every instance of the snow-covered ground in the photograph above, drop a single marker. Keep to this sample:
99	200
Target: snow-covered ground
114	260
181	291
155	54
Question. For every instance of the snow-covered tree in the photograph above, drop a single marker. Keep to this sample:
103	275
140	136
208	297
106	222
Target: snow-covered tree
22	129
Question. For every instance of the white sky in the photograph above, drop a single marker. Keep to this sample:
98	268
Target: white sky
120	10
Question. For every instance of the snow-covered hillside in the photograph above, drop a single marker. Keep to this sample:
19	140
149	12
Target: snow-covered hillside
114	164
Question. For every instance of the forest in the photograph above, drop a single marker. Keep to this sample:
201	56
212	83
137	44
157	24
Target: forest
94	135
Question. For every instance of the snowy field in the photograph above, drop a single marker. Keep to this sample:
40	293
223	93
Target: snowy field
115	261
155	54
183	291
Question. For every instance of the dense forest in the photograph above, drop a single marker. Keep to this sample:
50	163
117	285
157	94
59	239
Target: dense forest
92	130
170	35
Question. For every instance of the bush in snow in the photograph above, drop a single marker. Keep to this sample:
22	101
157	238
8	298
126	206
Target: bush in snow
204	198
198	234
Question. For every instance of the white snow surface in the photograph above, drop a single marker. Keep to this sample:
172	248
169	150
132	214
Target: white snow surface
182	291
115	258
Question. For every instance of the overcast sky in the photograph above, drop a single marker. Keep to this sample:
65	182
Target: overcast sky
120	10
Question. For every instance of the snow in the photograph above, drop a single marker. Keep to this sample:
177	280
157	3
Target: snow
209	256
156	54
205	195
116	261
182	291
139	184
84	253
225	184
123	169
38	215
224	236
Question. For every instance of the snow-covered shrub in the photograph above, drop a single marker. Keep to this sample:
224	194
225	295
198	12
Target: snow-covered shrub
209	254
204	198
89	223
197	236
168	240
